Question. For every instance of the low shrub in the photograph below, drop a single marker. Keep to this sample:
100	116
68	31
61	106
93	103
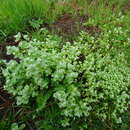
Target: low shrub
69	83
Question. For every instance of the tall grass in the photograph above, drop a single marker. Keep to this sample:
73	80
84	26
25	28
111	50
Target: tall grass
15	14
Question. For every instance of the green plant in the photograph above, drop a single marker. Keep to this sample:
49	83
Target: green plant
15	126
36	23
81	82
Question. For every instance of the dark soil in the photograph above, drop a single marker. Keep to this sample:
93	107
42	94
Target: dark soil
126	7
5	101
69	26
3	51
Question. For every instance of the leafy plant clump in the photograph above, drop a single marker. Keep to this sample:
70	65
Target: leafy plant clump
86	80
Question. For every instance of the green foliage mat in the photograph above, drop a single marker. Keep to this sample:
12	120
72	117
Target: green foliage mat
83	81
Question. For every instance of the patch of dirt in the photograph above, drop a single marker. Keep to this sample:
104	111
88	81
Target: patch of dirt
5	100
93	30
126	7
69	26
3	51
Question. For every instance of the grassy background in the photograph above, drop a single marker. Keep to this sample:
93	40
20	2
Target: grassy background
15	14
